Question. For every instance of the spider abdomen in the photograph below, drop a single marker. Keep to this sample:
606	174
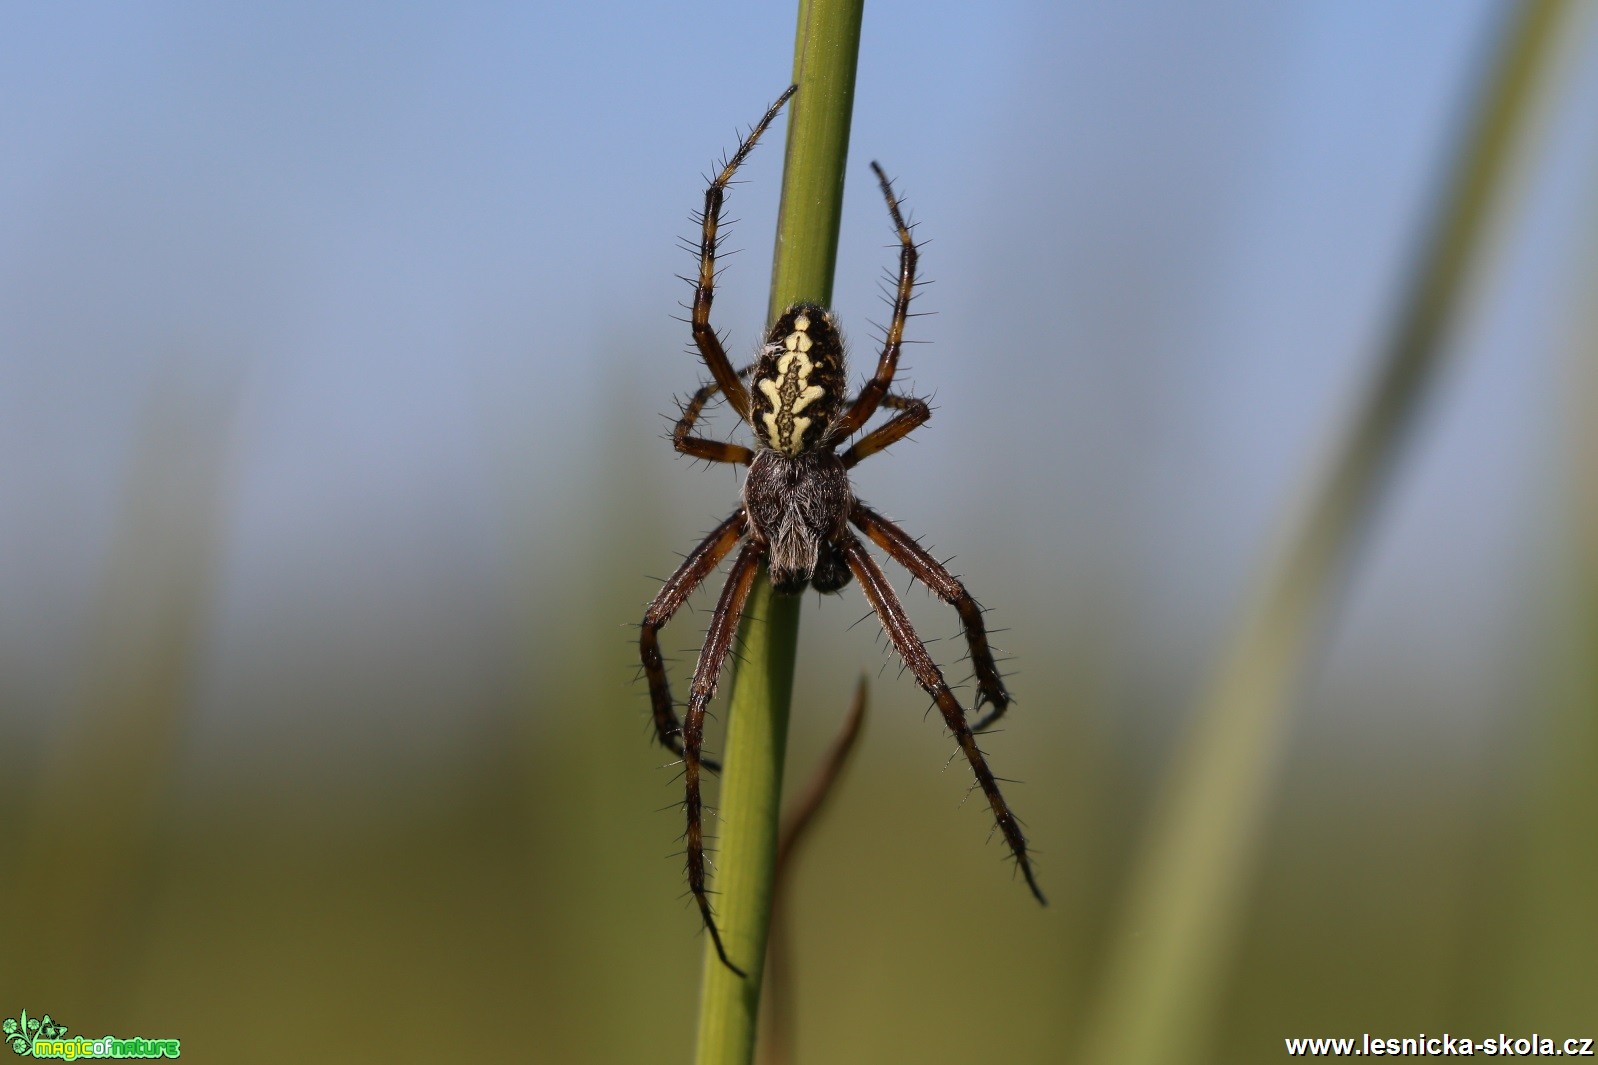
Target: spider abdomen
798	507
799	380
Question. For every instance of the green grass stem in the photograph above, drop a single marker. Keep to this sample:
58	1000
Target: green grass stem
825	55
1169	956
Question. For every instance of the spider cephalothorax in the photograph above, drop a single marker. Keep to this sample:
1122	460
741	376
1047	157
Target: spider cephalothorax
796	514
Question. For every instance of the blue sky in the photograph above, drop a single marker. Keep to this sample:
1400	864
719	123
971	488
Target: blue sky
423	255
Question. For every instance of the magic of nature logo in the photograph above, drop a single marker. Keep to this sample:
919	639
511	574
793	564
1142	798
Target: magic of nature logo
44	1037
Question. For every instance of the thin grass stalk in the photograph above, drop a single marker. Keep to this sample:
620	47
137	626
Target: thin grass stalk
1168	959
826	50
776	1045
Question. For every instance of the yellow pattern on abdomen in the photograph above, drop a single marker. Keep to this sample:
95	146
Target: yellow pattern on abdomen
790	392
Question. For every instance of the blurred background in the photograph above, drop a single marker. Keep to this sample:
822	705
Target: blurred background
335	344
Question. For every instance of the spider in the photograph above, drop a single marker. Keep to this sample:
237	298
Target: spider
795	514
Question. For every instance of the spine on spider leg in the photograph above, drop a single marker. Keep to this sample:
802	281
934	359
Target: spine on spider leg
825	54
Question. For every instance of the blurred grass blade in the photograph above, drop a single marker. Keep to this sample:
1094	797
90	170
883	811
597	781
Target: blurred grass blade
1168	959
88	845
825	54
1549	975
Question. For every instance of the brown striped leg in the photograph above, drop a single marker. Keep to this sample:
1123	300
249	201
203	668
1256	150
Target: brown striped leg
698	446
705	290
699	564
865	405
718	641
879	593
903	549
913	413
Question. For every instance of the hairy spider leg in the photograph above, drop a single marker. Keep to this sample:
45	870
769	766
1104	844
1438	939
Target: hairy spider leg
913	413
709	344
903	549
723	625
879	593
700	447
865	404
700	563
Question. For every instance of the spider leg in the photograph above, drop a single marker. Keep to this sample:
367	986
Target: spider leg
865	404
879	593
718	641
903	549
698	446
709	344
699	564
913	413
